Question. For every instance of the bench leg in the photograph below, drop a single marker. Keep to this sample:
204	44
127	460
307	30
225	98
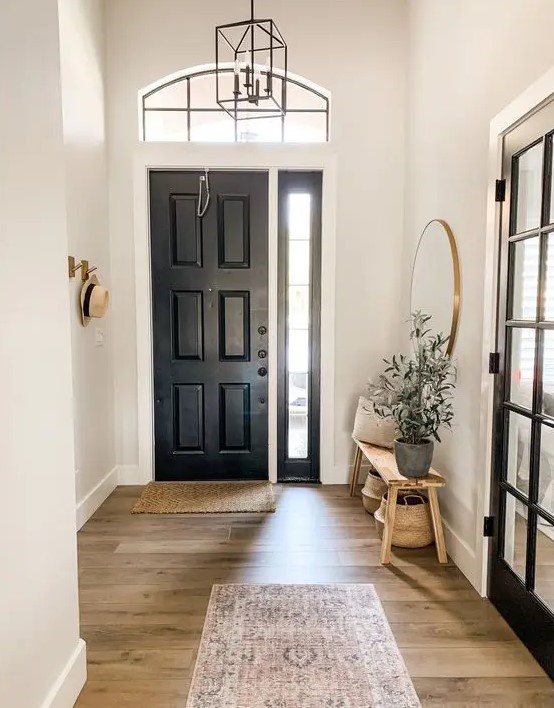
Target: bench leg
437	525
356	470
389	525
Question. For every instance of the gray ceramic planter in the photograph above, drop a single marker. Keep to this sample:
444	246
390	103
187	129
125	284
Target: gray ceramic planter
413	460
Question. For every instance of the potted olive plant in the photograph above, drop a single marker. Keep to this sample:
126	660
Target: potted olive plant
416	392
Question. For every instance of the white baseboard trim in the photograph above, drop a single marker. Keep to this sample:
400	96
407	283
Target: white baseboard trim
129	475
96	497
462	555
343	475
70	682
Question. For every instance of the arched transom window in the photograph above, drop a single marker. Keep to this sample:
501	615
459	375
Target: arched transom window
184	109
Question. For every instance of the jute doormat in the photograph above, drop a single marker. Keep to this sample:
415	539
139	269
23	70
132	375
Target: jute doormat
205	498
298	646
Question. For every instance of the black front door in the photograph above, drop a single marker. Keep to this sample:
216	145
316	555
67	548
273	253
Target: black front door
210	307
522	555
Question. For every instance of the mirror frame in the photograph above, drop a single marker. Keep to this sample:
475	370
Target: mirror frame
456	295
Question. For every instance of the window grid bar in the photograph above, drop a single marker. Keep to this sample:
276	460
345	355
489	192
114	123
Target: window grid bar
162	109
324	111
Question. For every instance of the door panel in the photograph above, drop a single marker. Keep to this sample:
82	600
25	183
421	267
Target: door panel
521	567
209	286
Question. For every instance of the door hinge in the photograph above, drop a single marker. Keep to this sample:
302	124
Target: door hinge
500	191
494	363
488	526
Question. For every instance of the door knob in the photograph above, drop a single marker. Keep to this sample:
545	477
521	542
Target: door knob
262	354
262	330
262	371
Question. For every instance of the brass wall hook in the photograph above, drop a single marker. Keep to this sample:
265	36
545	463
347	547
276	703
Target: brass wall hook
83	265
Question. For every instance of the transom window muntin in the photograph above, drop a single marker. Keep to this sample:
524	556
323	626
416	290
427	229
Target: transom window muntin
185	110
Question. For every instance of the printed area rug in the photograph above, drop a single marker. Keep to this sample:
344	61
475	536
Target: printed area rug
205	498
298	646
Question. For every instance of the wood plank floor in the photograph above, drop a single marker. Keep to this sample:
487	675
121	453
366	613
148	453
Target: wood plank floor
145	583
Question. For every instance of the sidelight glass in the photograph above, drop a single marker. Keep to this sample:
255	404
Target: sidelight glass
544	562
298	322
299	351
529	188
299	262
299	307
515	535
525	278
298	416
299	216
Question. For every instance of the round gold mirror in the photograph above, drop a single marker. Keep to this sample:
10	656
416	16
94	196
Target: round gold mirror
436	279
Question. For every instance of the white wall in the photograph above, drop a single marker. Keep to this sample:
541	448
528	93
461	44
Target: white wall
358	53
82	75
467	60
42	661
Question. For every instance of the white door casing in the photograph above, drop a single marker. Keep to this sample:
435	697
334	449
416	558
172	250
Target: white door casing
530	101
270	158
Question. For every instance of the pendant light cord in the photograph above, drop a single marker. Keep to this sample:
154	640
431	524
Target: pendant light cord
204	180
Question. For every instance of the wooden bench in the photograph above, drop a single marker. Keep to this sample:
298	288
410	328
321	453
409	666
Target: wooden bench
384	463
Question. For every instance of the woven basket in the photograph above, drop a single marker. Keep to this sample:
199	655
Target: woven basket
371	503
374	485
412	523
373	491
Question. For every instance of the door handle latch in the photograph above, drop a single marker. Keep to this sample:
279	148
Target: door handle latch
262	371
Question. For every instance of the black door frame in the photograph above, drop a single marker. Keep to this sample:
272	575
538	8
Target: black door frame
308	469
513	596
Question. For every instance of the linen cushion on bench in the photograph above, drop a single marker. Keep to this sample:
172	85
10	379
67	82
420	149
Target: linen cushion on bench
371	428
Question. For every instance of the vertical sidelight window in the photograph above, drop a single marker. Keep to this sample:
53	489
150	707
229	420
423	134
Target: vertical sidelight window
299	330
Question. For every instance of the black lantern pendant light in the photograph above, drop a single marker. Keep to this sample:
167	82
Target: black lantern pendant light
250	88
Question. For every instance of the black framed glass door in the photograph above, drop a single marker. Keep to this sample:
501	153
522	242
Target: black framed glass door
521	579
299	326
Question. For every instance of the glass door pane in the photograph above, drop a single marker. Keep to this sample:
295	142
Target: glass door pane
521	343
528	175
525	278
548	373
519	451
544	563
546	470
515	535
